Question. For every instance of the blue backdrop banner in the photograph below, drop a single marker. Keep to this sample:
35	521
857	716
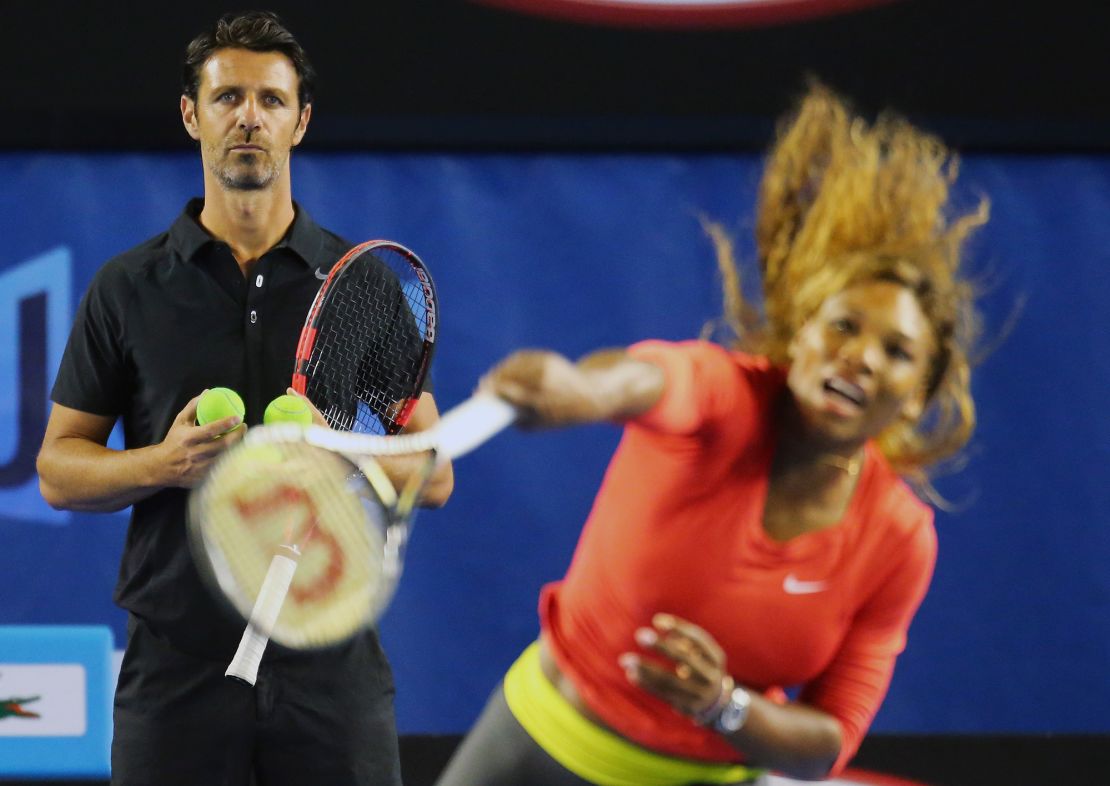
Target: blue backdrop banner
577	252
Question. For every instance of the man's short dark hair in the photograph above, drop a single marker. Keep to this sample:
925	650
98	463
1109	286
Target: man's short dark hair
259	31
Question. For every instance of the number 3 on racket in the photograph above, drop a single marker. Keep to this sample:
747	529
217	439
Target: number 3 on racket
303	533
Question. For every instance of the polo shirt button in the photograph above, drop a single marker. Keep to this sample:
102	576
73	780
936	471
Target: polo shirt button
254	316
258	280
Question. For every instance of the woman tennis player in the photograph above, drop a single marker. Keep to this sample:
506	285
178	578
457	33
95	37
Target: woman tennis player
756	532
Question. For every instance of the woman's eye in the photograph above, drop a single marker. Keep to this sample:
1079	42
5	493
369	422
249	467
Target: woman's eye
898	352
843	325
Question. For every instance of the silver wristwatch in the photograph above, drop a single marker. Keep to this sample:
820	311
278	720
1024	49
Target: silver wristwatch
735	712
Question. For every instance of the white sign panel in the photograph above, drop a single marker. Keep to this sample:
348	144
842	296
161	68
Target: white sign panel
42	700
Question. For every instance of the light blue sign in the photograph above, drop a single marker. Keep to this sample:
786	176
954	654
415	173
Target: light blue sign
55	701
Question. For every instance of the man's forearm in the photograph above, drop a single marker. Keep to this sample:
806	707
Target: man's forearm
81	475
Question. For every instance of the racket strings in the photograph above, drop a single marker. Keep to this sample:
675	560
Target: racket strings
300	501
370	343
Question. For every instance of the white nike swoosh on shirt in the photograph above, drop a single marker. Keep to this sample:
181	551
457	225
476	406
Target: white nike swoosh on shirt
321	274
792	585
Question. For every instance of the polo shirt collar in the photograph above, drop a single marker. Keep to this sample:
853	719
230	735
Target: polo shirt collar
305	238
187	236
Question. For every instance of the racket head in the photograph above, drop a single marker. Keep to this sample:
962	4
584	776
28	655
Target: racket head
276	494
367	342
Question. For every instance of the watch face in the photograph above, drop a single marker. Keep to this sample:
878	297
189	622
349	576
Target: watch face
735	712
730	718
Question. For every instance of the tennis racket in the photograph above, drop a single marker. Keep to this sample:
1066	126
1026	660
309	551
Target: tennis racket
362	359
367	342
304	534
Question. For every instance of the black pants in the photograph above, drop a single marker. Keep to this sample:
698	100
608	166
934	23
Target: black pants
323	719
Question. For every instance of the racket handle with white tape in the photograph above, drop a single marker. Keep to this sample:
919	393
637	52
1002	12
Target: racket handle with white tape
471	423
244	666
459	431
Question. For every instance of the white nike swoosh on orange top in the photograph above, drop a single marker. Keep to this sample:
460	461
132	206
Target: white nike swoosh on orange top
792	585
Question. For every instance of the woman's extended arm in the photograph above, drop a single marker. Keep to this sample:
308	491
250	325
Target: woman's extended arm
553	391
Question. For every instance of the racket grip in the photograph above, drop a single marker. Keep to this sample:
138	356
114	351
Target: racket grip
473	422
267	606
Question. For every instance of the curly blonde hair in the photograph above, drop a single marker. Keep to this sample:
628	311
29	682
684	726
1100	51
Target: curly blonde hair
843	201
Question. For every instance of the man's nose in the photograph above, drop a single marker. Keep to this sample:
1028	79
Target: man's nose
249	115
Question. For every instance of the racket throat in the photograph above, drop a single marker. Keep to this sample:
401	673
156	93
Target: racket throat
409	497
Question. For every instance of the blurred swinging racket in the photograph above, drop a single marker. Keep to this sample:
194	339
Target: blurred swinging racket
302	531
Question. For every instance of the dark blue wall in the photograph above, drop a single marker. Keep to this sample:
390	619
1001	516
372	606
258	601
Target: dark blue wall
576	252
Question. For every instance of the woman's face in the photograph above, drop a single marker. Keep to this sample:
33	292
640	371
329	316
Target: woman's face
861	362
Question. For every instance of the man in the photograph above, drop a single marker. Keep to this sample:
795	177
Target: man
238	268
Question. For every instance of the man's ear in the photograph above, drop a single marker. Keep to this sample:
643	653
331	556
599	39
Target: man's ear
189	116
302	126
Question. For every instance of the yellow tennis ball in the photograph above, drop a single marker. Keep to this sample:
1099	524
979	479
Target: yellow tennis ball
217	404
288	409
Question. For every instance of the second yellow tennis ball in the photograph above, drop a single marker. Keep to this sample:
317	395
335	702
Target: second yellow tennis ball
217	404
288	409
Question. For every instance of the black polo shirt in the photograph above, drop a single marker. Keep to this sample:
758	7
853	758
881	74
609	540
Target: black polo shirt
158	324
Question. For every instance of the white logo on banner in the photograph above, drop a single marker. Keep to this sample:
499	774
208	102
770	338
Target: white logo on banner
46	700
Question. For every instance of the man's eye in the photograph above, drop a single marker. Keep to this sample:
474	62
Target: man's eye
273	101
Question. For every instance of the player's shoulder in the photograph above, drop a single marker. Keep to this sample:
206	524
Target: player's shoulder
708	351
710	362
333	245
755	372
757	368
897	508
122	271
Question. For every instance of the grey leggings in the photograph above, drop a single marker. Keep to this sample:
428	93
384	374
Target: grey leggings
498	752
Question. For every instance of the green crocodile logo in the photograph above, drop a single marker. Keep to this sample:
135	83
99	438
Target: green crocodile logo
10	708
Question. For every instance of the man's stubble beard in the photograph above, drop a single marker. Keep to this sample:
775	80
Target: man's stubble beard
249	177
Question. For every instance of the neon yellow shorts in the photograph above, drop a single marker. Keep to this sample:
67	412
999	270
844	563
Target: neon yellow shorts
591	752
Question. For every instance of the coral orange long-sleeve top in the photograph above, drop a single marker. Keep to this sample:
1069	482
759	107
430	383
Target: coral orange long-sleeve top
677	527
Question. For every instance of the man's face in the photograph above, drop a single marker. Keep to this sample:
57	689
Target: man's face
246	117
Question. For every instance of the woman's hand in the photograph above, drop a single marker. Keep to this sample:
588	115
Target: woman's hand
694	679
552	391
549	389
793	738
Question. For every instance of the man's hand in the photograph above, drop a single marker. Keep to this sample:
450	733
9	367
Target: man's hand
189	450
317	417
